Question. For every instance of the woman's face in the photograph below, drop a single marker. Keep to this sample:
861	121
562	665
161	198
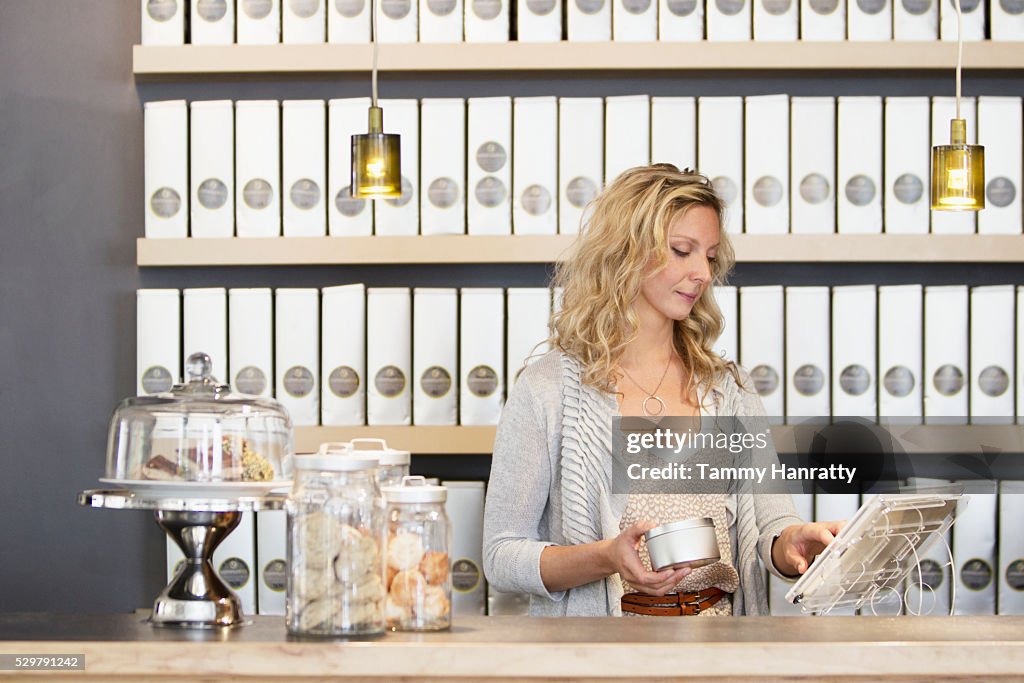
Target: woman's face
693	237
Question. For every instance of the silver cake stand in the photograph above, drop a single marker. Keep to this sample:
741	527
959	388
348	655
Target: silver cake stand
196	597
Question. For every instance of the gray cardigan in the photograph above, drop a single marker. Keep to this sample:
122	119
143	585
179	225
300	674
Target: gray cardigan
550	485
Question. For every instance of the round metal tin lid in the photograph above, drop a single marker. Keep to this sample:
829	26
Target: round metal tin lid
695	523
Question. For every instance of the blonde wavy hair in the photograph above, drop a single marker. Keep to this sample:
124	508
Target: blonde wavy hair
627	226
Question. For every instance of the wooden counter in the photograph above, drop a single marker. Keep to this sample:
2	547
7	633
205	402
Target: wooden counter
126	648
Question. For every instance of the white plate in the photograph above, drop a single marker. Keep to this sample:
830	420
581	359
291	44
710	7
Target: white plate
200	489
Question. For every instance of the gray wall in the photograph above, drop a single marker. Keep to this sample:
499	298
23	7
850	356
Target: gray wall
71	206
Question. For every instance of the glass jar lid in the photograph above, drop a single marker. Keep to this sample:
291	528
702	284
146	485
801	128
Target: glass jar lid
334	456
414	489
379	448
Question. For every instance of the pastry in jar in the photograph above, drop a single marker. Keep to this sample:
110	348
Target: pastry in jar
407	587
434	567
405	551
433	605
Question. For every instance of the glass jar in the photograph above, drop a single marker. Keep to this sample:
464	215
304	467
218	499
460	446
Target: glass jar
392	464
335	533
418	580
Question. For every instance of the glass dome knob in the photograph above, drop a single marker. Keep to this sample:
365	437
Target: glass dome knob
199	366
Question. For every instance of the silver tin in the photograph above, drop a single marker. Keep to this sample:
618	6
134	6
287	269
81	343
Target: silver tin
688	542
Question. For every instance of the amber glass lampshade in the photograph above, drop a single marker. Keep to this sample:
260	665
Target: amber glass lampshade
376	161
958	172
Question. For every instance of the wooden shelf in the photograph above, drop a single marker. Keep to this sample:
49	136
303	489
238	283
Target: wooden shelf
153	61
416	439
287	251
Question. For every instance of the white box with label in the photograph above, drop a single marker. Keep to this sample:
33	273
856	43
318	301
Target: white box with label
777	588
234	560
489	166
259	22
1011	548
999	132
859	166
635	21
271	561
992	312
588	21
973	26
776	20
915	19
304	168
398	21
727	344
945	354
767	164
487	21
900	337
854	360
808	382
481	355
348	21
297	354
303	21
346	216
435	362
720	153
580	158
627	134
674	131
343	355
443	166
761	344
440	21
163	22
539	21
943	111
212	22
251	341
465	509
907	158
401	216
212	168
205	328
158	340
257	168
934	571
529	317
166	161
974	549
388	356
869	20
1007	19
535	166
823	20
680	20
812	165
728	20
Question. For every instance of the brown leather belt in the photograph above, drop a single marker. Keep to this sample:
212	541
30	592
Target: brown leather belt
672	604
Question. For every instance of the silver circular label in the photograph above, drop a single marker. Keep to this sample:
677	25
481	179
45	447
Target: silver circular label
681	8
251	380
490	192
767	191
212	194
157	379
257	194
993	381
536	200
809	380
275	576
928	572
257	9
854	379
234	572
776	7
908	188
436	381
405	197
441	8
589	6
482	381
726	189
824	7
396	9
161	10
343	381
304	9
976	574
1015	575
298	381
729	7
765	378
346	204
541	8
814	188
305	194
212	10
898	381
487	9
636	6
860	190
349	8
390	381
465	575
871	6
1013	7
966	6
580	191
165	202
491	157
1001	192
443	193
917	7
948	380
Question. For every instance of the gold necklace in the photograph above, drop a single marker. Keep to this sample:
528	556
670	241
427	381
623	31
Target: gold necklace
651	394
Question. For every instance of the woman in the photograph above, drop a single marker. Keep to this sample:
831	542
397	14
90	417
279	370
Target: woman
633	337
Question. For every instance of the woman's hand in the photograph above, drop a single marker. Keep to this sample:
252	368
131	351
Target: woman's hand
623	556
797	545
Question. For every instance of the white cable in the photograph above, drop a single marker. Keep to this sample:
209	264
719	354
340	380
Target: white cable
959	52
373	39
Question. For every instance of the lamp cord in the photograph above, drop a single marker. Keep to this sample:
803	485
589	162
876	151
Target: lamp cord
959	52
373	39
